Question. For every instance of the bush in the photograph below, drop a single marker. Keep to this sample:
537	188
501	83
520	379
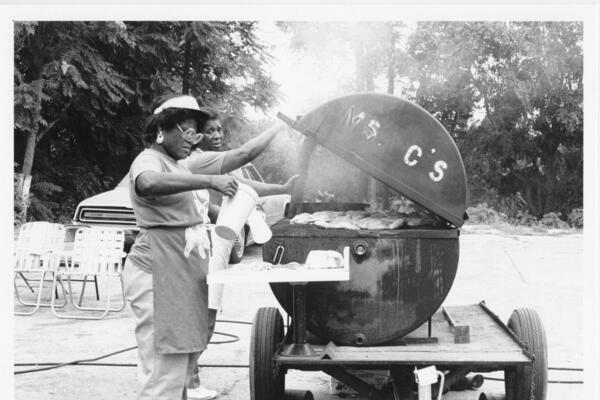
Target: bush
523	218
552	220
483	214
575	218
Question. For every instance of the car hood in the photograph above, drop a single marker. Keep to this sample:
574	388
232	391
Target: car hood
118	197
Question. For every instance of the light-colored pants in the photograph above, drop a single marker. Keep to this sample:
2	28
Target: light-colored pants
221	250
193	379
160	376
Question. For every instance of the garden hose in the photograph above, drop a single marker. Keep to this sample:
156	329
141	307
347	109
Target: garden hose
90	361
53	365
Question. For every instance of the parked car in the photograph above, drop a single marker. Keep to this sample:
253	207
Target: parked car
113	208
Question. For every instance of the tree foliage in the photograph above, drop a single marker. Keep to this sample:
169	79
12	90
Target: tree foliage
526	79
82	90
509	93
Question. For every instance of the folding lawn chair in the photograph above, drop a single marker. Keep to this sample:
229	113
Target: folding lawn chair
38	249
70	232
97	252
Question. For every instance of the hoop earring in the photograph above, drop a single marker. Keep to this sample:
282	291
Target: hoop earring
160	138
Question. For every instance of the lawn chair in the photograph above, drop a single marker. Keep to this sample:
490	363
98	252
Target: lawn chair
96	252
38	249
70	232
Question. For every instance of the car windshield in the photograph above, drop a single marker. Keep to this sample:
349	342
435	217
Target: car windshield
253	173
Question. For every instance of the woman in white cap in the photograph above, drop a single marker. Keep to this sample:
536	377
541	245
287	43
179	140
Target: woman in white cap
165	273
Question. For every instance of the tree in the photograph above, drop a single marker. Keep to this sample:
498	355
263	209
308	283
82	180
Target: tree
82	90
526	79
543	160
48	88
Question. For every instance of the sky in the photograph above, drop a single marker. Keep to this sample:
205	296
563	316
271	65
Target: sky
304	82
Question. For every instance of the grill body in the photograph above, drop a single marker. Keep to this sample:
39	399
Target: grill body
395	287
405	274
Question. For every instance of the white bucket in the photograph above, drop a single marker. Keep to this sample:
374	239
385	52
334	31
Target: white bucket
261	233
235	211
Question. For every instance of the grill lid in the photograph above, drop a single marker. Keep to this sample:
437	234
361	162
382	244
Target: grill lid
396	142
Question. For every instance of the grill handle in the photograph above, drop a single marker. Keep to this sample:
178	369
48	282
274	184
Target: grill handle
278	255
289	121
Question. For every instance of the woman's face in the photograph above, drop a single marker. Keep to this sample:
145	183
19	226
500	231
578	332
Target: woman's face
174	143
213	135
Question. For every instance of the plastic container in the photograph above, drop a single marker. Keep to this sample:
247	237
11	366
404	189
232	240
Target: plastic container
235	211
261	233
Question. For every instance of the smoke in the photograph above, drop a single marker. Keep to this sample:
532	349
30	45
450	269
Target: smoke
330	178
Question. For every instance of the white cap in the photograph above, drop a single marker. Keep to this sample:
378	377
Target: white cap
185	101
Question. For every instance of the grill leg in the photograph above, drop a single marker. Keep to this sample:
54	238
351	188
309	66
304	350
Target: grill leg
300	348
300	314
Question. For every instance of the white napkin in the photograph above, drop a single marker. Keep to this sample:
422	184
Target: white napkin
324	259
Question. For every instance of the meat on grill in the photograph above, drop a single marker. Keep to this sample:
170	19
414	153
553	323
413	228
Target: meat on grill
357	220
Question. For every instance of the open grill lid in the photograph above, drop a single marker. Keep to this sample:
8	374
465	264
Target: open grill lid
396	142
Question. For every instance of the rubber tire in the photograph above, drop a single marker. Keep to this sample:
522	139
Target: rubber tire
527	326
265	340
239	245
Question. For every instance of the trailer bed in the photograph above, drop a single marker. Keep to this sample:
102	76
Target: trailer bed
490	345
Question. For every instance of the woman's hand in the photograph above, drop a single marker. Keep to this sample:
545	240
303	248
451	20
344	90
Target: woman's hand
225	184
288	187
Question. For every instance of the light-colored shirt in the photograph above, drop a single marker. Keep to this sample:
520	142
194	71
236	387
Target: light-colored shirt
204	162
174	210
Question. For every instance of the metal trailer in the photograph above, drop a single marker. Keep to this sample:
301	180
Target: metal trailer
457	340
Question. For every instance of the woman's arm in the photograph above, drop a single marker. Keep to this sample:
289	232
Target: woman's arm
160	183
268	189
247	152
263	189
213	212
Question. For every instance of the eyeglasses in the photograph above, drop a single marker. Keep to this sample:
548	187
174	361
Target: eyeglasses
190	135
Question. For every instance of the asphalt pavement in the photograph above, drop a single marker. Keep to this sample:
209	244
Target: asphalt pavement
543	272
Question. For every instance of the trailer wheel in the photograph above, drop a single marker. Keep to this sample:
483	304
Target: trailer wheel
267	382
528	382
